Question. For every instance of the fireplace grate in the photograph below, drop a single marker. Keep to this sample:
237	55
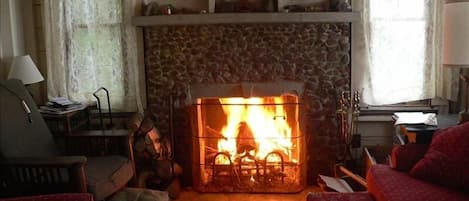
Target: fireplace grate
248	168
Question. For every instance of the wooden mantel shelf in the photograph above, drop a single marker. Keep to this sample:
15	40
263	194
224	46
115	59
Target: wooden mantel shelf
245	18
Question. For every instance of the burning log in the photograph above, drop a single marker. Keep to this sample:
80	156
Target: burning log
245	141
215	133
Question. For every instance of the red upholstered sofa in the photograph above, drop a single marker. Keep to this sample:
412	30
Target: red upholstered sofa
388	184
358	196
436	172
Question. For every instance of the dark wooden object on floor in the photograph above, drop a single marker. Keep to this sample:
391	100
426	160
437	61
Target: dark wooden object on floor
422	134
54	197
99	143
66	123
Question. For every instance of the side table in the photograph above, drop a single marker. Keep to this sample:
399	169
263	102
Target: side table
422	134
68	122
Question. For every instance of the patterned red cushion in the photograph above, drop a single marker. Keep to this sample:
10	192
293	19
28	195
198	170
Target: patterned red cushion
359	196
404	157
386	184
447	159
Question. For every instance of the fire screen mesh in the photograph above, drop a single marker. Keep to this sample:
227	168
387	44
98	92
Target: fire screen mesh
248	145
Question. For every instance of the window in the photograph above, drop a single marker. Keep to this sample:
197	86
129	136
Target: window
400	43
88	47
94	47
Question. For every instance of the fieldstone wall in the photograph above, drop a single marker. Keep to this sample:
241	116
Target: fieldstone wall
317	54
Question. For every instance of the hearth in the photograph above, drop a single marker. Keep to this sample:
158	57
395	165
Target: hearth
249	141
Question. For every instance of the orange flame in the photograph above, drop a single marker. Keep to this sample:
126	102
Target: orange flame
266	121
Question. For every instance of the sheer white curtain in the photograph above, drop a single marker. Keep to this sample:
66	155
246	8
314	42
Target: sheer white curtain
91	44
398	51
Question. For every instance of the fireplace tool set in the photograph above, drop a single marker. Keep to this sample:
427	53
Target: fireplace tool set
347	113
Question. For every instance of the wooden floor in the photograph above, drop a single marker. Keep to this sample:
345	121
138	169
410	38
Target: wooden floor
190	195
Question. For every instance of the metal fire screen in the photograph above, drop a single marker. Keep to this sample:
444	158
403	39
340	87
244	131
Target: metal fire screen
248	145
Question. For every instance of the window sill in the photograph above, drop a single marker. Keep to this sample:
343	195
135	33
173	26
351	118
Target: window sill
384	113
389	110
375	118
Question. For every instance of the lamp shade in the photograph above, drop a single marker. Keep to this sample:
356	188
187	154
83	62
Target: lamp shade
456	35
24	69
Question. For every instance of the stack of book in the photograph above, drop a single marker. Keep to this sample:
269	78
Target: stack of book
61	105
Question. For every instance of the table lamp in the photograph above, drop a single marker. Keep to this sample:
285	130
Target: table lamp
456	44
24	69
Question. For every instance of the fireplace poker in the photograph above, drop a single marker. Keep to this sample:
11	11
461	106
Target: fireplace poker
171	131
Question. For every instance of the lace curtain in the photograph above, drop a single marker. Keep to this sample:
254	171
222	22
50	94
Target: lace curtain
399	52
91	44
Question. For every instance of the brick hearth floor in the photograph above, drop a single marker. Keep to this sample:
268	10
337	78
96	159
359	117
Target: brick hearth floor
190	195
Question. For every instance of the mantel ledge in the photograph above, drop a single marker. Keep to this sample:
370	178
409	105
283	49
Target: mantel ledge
245	18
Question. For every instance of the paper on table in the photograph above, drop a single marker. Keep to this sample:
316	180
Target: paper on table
62	101
337	184
415	118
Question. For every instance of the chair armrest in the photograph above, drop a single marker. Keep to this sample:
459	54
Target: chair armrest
32	176
359	179
404	157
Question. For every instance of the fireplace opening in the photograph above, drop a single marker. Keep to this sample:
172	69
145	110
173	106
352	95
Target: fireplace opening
250	144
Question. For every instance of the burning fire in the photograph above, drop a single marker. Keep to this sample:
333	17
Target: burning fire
256	128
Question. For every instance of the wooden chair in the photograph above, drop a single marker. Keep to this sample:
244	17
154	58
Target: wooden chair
32	163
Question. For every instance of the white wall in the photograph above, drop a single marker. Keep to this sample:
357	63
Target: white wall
17	36
11	32
376	132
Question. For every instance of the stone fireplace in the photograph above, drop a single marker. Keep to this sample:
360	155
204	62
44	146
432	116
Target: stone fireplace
315	55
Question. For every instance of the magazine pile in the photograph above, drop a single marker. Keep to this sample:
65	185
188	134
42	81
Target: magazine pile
415	118
61	105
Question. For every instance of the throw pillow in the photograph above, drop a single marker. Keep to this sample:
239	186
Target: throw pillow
447	159
404	157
